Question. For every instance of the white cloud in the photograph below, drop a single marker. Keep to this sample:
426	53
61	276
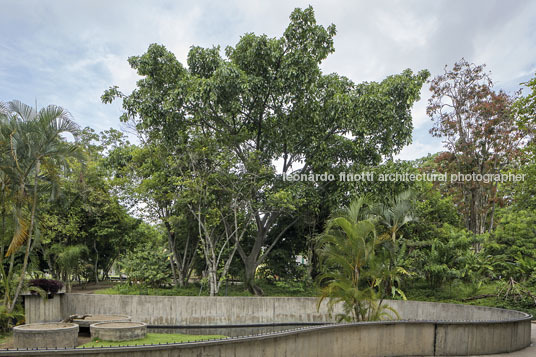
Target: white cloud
417	150
71	55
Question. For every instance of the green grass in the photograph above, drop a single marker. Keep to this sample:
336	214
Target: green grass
4	337
457	292
153	338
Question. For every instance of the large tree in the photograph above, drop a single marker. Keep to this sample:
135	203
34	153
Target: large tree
269	103
481	135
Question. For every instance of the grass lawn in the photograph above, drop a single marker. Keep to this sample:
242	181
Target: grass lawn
154	338
459	293
4	337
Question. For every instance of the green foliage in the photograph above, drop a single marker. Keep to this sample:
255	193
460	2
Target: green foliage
33	154
447	257
481	134
525	106
148	264
86	228
513	245
10	319
266	100
485	294
352	270
70	260
271	288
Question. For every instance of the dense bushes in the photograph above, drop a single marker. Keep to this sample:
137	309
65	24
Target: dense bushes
148	265
8	320
50	286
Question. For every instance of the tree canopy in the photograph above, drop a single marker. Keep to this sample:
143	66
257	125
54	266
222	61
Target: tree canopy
268	105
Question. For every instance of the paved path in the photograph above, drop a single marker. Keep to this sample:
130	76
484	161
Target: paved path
527	352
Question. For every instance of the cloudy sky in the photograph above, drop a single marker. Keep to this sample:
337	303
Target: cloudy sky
68	52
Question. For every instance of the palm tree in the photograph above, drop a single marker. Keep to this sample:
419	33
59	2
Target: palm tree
68	258
351	267
391	217
6	203
30	139
396	213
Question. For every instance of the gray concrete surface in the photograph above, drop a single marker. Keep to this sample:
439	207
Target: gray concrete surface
428	329
37	309
95	319
118	331
369	339
64	335
204	310
526	352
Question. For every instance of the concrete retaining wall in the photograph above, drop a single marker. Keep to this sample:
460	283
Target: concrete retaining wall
185	310
428	328
198	310
362	339
37	309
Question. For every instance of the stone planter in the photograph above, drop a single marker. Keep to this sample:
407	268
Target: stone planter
94	319
43	335
118	331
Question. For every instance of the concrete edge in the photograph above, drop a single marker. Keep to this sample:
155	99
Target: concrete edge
249	338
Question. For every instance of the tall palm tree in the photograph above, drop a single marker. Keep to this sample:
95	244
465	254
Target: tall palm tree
391	217
351	268
30	139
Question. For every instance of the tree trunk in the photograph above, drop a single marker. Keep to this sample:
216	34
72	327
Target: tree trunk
212	279
182	267
28	242
492	217
96	266
250	267
2	239
174	274
254	258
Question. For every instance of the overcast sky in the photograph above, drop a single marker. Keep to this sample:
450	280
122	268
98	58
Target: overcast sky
68	52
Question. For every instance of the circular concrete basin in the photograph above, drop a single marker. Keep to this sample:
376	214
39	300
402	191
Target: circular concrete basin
93	319
118	331
43	335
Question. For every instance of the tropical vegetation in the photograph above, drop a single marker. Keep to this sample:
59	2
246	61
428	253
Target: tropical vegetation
200	199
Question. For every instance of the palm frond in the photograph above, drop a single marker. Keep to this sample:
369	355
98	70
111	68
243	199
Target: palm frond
23	111
20	236
58	120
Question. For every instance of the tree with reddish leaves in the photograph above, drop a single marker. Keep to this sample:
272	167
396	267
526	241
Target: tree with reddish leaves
480	134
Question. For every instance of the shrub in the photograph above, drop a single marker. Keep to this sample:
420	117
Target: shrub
8	320
49	285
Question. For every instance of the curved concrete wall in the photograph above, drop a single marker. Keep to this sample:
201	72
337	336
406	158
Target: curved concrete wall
428	328
186	310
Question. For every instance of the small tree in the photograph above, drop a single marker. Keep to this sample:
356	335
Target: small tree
148	264
31	144
352	270
70	260
391	217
